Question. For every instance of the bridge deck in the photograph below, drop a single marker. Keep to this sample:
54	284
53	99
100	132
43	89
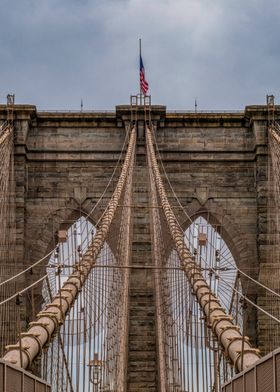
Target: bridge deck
264	376
14	379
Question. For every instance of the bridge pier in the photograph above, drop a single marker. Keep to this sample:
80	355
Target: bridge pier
216	162
142	367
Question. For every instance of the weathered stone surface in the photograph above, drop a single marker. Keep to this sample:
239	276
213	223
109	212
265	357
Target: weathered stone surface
216	163
142	368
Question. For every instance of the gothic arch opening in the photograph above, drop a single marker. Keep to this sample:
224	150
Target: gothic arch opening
190	345
244	259
73	240
43	245
241	249
206	242
87	327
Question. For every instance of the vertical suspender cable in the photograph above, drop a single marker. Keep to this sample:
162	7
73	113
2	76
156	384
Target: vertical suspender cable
221	323
42	330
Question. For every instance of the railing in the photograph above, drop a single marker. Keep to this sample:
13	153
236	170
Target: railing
264	376
77	111
205	111
20	380
188	111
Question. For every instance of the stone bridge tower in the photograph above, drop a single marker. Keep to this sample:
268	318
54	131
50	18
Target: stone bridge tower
216	163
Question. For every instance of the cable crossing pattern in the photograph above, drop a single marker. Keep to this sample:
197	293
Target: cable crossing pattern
79	336
41	331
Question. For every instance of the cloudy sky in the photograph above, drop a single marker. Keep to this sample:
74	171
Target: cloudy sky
225	53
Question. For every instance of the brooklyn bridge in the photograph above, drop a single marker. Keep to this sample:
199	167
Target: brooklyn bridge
139	249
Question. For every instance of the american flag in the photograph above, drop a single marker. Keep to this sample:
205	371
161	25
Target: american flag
144	86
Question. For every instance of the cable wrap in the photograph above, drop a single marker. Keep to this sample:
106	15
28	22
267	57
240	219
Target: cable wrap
228	335
41	331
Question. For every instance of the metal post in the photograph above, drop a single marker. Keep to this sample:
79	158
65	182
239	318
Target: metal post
133	109
147	109
140	91
10	108
270	109
95	366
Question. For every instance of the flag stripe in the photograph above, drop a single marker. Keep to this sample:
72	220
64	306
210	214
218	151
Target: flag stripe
144	85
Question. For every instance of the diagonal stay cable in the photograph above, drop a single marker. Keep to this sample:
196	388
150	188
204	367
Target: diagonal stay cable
241	353
41	331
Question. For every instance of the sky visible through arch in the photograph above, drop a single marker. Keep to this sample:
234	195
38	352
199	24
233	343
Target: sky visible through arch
81	320
224	53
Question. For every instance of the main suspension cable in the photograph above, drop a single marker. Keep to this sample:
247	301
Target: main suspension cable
276	135
221	323
42	330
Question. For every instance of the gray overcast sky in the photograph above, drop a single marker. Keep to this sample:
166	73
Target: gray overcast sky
224	52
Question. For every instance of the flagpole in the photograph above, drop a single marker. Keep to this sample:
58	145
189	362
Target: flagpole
139	76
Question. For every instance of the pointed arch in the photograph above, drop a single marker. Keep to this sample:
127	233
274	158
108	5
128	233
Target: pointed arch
231	231
43	240
242	245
